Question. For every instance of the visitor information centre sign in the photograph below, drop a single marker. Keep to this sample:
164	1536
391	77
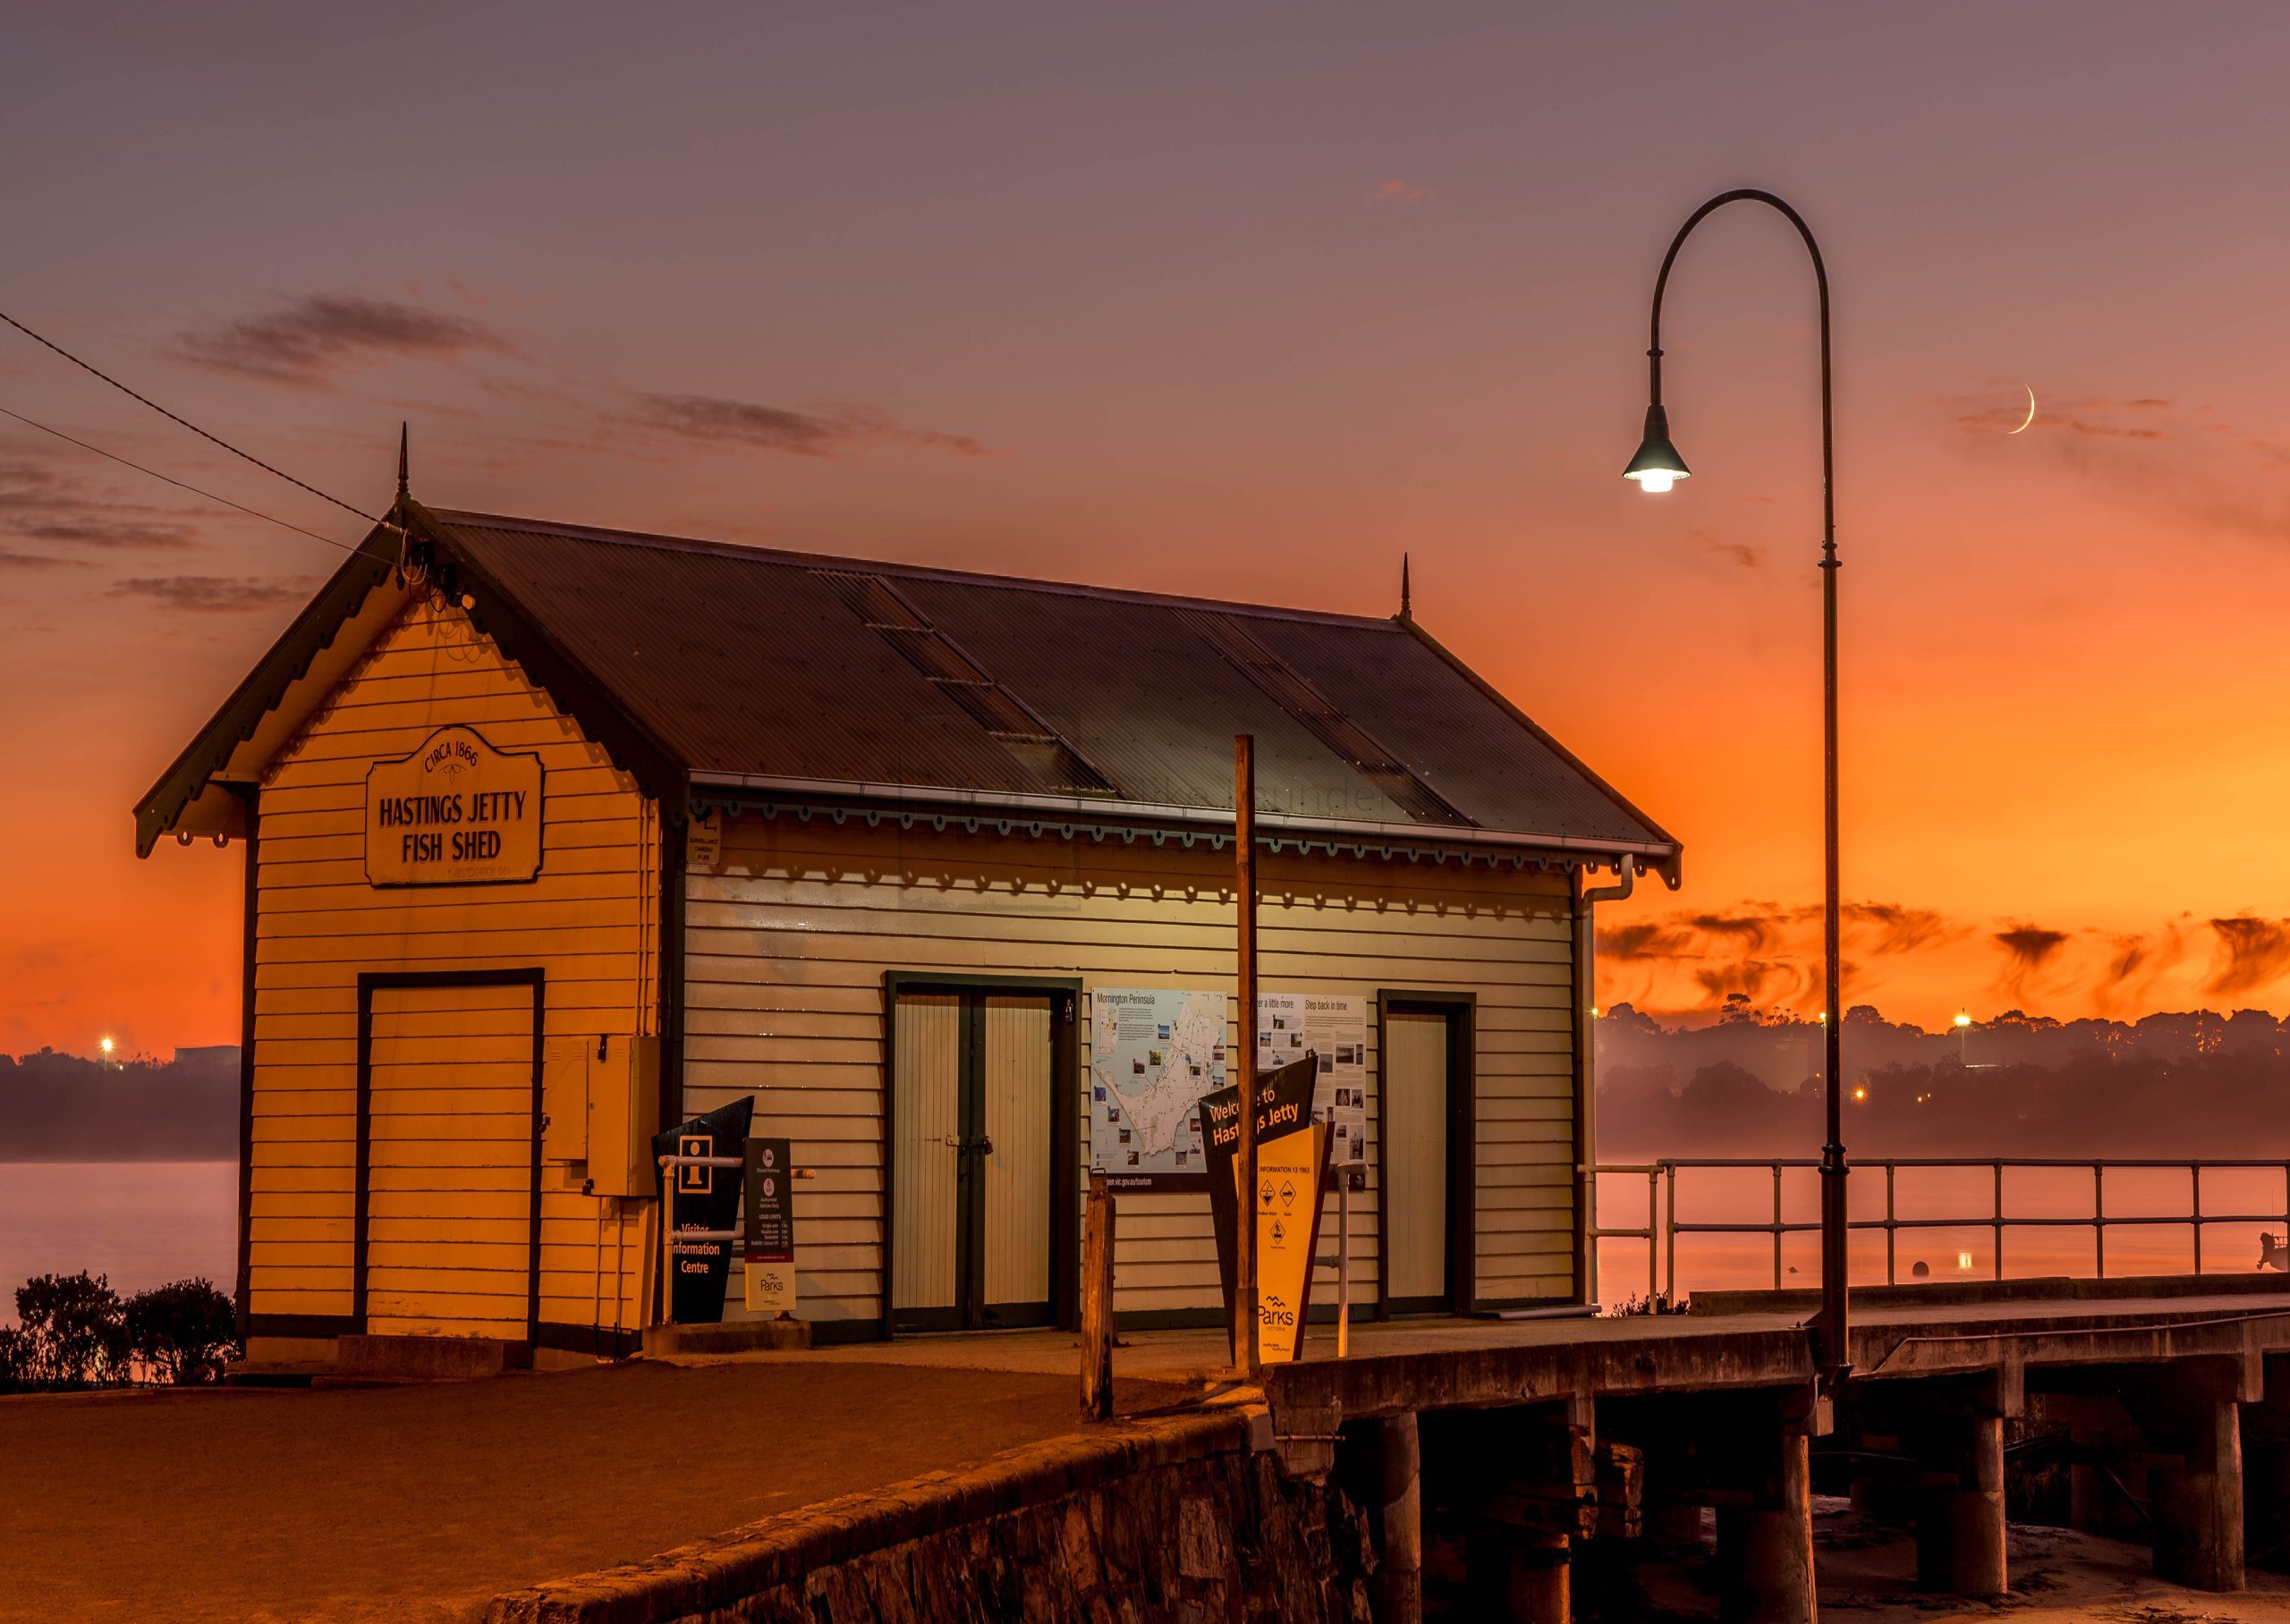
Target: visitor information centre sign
455	812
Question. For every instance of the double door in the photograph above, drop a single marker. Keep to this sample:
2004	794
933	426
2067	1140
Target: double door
971	1109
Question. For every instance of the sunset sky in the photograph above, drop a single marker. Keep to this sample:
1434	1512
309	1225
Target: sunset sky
1245	302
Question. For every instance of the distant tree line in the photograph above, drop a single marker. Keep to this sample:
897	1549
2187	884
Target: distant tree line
59	1107
2198	1083
74	1332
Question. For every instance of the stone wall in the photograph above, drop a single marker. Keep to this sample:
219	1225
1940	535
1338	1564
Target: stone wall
1175	1520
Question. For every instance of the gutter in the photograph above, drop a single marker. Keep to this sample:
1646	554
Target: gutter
1624	854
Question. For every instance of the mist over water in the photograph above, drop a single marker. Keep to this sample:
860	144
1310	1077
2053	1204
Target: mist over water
143	1224
2199	1084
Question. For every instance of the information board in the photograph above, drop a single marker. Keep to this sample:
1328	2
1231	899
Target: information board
1334	1028
1153	1053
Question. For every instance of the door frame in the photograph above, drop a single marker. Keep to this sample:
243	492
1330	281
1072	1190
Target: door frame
369	980
1462	1012
1065	996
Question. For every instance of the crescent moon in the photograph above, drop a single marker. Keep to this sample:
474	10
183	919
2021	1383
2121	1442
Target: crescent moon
2032	412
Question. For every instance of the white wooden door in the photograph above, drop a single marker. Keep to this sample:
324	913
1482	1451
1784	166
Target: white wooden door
1017	1120
1415	1105
449	1162
926	1159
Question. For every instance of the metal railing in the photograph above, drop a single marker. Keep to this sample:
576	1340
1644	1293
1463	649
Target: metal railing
1663	1226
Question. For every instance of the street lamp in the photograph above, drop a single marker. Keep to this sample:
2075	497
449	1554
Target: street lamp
1657	468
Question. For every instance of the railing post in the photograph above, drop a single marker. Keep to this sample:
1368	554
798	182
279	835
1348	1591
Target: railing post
2099	1216
1672	1173
1776	1226
1999	1220
2194	1181
669	1178
1891	1227
1653	1232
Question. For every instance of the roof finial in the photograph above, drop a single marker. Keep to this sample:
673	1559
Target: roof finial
401	492
1406	598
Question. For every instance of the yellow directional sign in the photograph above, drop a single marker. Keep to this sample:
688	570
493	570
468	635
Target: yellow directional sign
1292	1163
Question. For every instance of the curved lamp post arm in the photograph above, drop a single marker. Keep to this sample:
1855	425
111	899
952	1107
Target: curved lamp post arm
1833	1350
1820	281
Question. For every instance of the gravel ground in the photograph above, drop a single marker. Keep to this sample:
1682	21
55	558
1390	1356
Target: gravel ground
421	1503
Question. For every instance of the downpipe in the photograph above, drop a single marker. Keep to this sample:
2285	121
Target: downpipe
1586	1089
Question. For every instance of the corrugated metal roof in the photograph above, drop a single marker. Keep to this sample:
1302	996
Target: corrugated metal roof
795	666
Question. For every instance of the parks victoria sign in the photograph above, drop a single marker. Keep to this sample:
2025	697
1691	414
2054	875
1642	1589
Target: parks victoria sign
455	812
1291	1153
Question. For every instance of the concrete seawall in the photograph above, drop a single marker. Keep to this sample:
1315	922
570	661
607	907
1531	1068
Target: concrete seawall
1166	1519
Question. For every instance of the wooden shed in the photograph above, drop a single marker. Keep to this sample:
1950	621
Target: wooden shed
554	834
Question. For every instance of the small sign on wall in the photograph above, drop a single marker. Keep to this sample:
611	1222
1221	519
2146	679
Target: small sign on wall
703	842
455	812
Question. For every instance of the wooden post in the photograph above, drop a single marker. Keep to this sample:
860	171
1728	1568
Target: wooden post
1399	1572
1246	1350
1096	1303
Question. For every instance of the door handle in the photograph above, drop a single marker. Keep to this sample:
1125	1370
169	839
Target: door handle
951	1143
985	1146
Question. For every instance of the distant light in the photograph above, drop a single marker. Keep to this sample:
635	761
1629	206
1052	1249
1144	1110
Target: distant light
1594	1011
1822	1017
1963	1261
1859	1094
107	1048
1962	1020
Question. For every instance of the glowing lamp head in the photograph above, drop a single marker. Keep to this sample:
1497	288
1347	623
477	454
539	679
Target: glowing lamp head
1962	1020
1657	466
107	1046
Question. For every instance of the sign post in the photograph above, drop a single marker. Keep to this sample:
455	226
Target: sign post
1247	1355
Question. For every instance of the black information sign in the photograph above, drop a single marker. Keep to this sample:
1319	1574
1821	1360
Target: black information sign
701	1265
769	1248
1285	1209
770	1214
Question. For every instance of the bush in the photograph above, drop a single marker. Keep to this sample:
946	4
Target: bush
74	1332
183	1333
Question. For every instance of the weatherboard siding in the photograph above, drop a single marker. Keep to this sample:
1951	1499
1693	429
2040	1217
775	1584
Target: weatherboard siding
788	941
589	923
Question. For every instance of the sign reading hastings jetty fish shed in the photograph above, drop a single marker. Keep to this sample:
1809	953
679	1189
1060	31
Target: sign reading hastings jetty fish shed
455	812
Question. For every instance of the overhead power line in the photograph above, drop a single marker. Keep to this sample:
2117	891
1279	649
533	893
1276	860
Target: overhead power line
184	422
179	485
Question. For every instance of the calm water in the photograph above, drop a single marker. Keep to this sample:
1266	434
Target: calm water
1959	1251
143	1224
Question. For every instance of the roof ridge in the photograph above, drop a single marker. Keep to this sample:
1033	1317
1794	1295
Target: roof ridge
837	561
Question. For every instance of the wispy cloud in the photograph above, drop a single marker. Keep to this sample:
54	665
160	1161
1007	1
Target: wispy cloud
1770	952
10	559
1403	193
310	342
42	503
2028	949
2252	952
212	594
828	432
